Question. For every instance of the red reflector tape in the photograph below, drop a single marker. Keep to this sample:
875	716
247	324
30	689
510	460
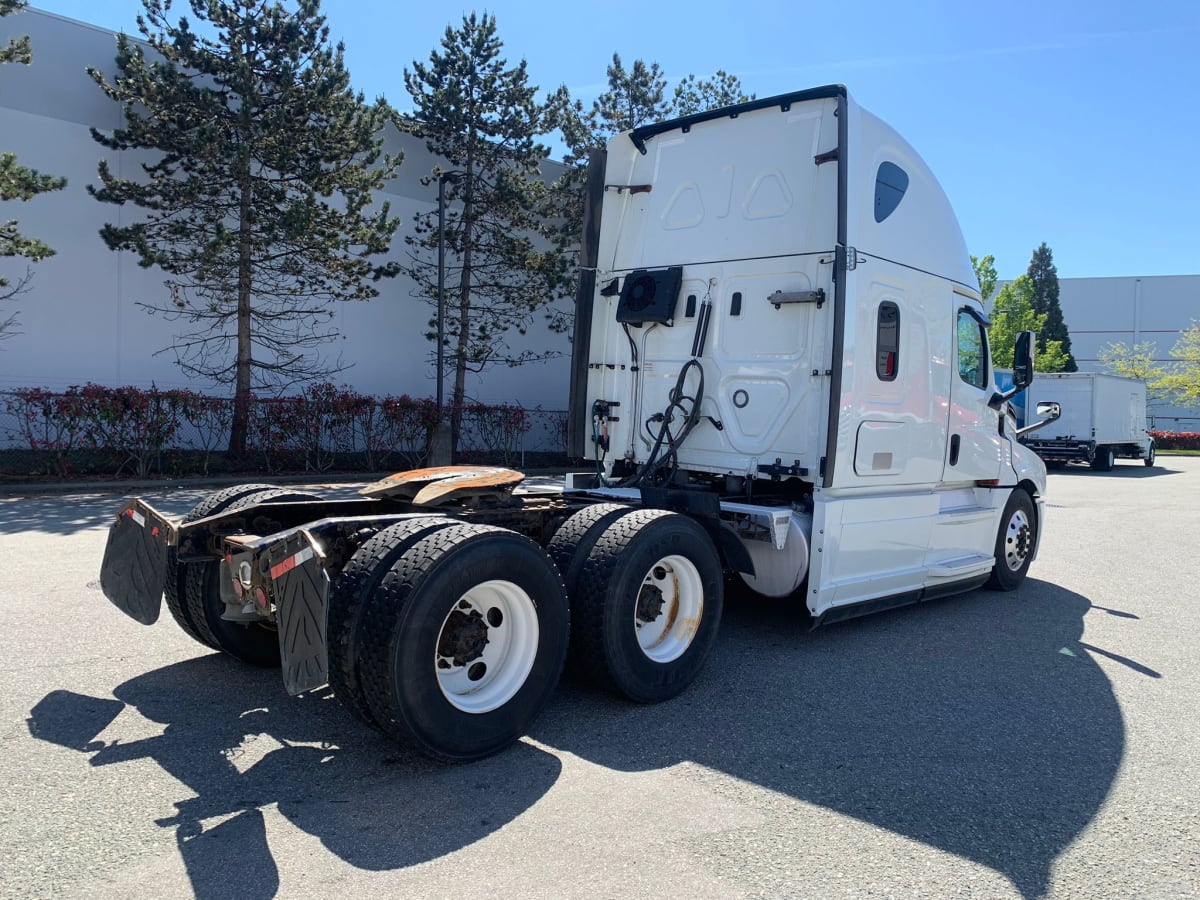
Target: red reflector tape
291	562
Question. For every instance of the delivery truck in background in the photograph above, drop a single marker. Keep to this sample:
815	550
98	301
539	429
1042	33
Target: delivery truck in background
1102	419
780	373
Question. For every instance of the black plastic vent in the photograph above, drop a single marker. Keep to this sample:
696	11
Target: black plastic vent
650	295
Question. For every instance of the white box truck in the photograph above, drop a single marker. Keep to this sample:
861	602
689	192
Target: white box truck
1102	419
780	371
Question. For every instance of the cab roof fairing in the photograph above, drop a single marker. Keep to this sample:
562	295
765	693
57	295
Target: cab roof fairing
922	232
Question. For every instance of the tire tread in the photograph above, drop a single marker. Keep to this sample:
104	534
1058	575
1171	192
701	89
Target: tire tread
350	595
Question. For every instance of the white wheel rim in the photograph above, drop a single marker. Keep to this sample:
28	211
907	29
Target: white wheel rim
486	647
669	607
1017	540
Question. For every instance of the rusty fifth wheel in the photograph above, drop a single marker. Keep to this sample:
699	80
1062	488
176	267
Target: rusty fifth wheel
647	604
463	641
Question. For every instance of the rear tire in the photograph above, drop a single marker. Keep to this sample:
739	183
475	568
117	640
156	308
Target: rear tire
256	643
1015	542
352	592
174	589
1104	459
1149	460
464	642
571	544
648	604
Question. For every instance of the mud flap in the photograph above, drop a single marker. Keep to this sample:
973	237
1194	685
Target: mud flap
300	588
135	562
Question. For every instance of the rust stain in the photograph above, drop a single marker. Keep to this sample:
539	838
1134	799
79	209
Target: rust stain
688	626
426	486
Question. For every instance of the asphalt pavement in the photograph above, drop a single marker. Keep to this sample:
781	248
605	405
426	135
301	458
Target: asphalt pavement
1039	743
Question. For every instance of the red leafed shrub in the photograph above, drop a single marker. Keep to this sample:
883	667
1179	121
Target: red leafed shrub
498	431
1176	440
406	427
131	431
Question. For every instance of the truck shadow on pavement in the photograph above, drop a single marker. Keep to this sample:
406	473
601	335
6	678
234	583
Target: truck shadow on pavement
239	744
1126	470
978	725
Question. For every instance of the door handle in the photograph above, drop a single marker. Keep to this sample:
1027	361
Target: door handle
954	442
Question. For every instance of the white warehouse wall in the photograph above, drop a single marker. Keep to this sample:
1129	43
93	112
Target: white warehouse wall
1130	310
80	320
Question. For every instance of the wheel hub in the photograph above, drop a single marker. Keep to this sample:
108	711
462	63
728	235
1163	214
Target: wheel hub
649	603
463	638
487	646
1018	542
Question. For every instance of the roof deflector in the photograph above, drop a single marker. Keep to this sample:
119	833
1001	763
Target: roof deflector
783	101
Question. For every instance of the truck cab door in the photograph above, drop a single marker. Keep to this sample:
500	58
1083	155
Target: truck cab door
974	445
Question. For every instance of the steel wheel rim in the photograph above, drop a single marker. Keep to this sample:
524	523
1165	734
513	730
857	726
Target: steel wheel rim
1017	539
669	607
486	647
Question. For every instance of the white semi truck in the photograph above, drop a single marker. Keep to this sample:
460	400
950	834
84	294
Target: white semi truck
1103	418
781	373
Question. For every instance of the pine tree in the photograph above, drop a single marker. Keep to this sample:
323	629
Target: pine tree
635	97
693	95
258	205
18	182
1044	278
505	263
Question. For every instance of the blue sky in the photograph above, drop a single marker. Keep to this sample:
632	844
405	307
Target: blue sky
1075	123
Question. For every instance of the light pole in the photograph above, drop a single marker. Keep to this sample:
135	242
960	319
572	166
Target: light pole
441	450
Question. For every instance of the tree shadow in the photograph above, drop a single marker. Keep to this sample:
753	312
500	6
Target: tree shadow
235	740
66	514
57	514
959	723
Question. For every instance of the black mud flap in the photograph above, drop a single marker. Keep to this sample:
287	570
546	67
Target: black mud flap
300	587
135	562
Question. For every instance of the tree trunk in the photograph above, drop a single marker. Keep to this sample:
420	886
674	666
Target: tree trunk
464	314
464	337
241	392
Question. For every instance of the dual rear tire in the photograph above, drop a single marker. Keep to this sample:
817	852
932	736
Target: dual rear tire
1104	460
453	640
647	593
452	636
193	591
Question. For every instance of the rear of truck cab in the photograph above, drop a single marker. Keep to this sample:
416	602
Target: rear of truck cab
826	325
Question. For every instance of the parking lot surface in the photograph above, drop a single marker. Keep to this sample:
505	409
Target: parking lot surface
1039	743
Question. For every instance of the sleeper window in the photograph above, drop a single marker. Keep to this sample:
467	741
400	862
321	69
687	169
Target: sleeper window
887	341
891	182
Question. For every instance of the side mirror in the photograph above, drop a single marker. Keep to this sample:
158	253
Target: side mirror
1023	353
1049	408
